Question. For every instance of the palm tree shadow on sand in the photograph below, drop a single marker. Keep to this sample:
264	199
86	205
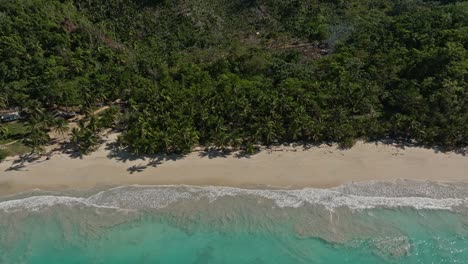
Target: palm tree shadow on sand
21	163
121	154
215	153
403	144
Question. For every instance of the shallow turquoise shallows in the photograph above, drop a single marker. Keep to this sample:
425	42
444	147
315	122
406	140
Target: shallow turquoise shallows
185	224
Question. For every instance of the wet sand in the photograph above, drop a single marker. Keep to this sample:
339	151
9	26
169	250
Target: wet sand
280	167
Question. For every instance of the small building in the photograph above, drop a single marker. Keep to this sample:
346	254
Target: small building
8	116
64	114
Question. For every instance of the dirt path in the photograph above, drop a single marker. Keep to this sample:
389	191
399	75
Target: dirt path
9	143
101	109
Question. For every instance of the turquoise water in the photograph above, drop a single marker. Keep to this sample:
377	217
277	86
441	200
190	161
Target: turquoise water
183	224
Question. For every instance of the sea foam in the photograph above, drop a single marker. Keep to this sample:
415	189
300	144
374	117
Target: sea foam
353	196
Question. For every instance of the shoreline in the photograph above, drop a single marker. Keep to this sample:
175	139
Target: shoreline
279	167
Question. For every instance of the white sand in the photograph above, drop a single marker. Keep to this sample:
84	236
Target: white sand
284	167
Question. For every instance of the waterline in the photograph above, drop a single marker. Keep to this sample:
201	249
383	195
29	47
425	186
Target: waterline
190	224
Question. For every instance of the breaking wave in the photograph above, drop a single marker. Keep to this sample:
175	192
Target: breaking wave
389	221
369	195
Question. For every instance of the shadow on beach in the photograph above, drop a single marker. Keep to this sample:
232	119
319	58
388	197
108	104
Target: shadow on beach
23	161
215	153
121	154
403	144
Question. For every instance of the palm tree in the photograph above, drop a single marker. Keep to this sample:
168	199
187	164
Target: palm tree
61	126
89	141
190	137
41	120
316	131
34	108
37	139
84	138
267	130
3	131
47	120
93	124
166	141
88	97
3	101
109	117
75	136
100	97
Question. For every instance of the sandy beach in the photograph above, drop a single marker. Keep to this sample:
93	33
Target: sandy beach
280	167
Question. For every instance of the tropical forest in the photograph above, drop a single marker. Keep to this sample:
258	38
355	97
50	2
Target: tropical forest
170	76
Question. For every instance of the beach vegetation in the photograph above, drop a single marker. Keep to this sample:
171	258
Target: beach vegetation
84	139
237	74
3	154
61	126
3	132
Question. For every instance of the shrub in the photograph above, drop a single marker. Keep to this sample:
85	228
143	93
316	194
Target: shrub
3	154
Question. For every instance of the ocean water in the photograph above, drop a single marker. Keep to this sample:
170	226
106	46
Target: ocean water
375	222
